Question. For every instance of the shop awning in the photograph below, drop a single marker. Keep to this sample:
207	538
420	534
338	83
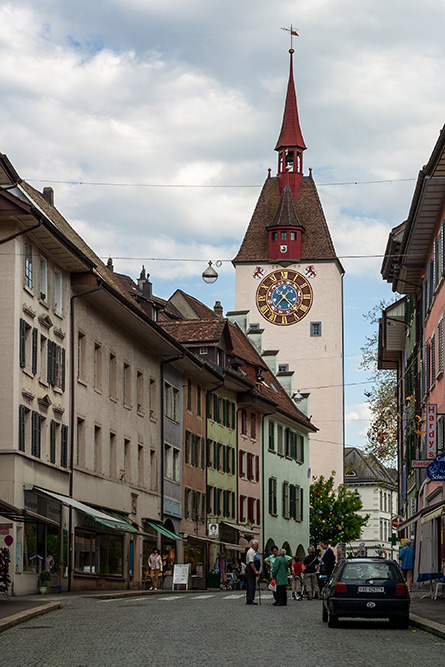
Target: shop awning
238	527
209	540
433	515
104	519
16	514
163	531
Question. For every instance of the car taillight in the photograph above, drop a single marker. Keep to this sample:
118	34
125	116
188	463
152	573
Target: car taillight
340	587
401	589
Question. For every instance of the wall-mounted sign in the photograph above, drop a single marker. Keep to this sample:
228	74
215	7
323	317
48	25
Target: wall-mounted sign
420	464
436	469
431	430
214	530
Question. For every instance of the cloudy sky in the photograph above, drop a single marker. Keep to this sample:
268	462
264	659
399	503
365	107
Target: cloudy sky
155	122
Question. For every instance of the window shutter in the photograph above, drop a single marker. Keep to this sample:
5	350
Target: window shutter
203	454
302	448
64	446
63	369
209	405
257	468
35	335
249	465
242	518
293	501
233	461
49	365
241	463
271	495
258	512
233	415
22	343
35	439
301	506
209	499
52	441
22	413
208	451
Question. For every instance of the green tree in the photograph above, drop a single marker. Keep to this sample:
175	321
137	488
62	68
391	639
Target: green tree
381	397
334	512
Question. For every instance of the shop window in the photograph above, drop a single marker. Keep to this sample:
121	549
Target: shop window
30	558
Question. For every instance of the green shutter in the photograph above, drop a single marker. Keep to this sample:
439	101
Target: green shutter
64	446
22	413
233	415
35	337
233	461
208	452
22	347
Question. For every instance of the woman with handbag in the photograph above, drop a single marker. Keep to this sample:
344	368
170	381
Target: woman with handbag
311	564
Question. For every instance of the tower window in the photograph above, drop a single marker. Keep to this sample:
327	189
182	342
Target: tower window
316	329
293	236
274	236
283	236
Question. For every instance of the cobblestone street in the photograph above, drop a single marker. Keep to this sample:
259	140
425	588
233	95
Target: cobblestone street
207	629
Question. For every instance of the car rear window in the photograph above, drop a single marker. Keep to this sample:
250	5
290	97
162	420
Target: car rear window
370	571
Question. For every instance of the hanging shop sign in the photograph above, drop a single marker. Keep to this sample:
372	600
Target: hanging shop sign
213	530
436	469
431	431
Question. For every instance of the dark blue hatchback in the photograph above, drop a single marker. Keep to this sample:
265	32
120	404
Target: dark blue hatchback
366	588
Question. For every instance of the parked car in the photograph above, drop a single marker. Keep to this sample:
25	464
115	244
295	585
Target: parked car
366	588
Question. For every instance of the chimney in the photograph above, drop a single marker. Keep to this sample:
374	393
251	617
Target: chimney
218	309
144	284
110	266
48	194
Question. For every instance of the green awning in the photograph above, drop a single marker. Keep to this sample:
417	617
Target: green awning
164	531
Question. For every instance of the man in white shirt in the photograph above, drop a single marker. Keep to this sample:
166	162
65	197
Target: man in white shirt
253	565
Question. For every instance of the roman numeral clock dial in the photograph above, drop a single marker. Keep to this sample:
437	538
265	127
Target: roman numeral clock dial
284	297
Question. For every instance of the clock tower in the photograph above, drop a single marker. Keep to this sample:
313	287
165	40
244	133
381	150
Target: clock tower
289	278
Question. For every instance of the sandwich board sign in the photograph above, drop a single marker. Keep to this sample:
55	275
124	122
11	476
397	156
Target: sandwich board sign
181	575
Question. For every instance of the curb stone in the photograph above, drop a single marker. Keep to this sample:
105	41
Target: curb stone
15	619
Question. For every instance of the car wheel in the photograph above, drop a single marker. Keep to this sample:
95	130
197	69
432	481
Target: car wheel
332	620
324	615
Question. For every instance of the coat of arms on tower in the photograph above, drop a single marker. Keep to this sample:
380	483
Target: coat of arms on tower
258	273
310	272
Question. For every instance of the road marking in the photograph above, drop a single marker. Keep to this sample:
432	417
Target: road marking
236	596
202	597
170	597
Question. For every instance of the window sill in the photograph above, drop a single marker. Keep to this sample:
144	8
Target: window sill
29	290
82	382
28	373
43	303
113	398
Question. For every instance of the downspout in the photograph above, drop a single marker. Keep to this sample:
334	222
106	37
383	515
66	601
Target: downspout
72	404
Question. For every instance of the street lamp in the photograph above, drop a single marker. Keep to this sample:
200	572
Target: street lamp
210	276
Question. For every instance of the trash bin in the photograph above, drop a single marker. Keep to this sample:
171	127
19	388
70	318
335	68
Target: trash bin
213	580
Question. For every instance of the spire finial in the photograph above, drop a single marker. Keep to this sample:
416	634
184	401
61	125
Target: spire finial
292	33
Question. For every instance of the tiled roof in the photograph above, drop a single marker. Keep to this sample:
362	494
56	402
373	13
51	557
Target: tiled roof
286	214
195	331
202	311
364	467
316	244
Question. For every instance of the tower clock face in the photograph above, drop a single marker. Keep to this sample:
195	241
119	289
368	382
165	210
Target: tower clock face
284	297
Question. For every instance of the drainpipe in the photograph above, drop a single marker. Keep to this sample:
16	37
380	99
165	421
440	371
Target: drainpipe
72	403
263	497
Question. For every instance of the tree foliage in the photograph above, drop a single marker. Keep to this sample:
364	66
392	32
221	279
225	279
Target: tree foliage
334	512
381	397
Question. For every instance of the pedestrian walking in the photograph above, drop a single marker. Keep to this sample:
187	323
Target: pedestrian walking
311	564
154	567
297	572
279	573
253	566
327	564
406	560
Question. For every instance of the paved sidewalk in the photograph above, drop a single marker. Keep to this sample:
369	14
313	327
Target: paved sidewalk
425	614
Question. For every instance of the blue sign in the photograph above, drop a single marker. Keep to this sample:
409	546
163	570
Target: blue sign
436	469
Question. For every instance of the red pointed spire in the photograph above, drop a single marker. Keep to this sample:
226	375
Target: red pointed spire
290	144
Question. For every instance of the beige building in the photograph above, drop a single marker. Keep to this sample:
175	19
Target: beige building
81	405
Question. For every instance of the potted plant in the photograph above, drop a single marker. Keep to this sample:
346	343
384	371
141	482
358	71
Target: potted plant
44	577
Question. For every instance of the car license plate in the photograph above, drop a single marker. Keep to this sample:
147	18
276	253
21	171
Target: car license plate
371	589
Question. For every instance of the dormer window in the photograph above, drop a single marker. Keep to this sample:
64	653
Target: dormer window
283	368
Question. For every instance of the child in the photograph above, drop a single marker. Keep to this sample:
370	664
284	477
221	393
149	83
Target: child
297	569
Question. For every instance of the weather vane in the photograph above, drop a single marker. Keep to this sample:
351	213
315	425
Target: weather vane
292	32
